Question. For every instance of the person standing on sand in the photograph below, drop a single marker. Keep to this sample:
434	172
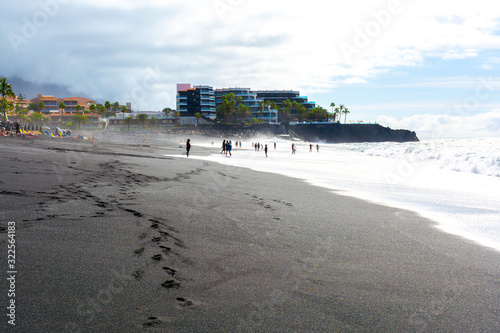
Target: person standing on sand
317	148
293	148
188	147
229	148
265	150
223	147
310	147
275	146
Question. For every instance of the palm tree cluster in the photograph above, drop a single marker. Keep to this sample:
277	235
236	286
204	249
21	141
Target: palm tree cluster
232	108
339	111
294	111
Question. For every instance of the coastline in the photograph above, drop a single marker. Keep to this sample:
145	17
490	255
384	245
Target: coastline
114	237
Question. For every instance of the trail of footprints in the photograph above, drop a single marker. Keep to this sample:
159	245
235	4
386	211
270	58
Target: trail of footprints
161	241
157	237
262	202
158	242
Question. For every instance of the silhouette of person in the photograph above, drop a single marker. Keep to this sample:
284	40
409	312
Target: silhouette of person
188	147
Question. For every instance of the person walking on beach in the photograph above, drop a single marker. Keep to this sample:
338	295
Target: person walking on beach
229	148
188	147
223	147
293	148
265	150
18	128
317	148
310	147
275	146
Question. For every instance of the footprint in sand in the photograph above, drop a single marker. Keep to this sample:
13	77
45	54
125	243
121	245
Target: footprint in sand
186	303
169	271
171	284
165	249
139	251
156	239
138	274
157	257
157	323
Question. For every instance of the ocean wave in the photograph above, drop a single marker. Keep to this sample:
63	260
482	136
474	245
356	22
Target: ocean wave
474	156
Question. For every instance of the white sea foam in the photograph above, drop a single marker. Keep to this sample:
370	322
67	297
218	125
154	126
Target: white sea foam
454	182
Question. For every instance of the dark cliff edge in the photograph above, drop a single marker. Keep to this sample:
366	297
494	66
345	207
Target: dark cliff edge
328	133
347	133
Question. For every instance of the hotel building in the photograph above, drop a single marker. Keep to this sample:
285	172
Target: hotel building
197	99
205	100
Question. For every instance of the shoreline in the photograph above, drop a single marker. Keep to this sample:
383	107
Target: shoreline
446	222
178	244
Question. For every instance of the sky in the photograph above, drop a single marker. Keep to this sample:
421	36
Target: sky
424	65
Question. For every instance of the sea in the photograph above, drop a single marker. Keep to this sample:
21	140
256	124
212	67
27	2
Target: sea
455	183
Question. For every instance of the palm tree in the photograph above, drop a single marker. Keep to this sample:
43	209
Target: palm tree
197	115
62	107
92	109
79	119
41	106
6	91
38	118
166	111
107	106
332	105
341	111
128	120
335	113
262	105
346	111
247	113
22	114
124	110
115	106
7	106
142	117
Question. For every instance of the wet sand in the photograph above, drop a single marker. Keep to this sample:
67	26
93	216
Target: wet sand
119	238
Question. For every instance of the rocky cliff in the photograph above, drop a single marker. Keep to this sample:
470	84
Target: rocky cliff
329	133
345	133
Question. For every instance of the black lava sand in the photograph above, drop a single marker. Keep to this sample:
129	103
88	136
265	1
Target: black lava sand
114	237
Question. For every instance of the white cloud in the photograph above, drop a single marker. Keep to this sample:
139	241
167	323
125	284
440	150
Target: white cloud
105	48
429	126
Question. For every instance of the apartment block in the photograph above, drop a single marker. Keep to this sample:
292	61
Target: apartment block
197	99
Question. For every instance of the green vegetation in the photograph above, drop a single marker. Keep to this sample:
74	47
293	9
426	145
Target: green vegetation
38	118
167	111
78	120
228	108
142	117
62	106
339	111
233	111
6	91
197	115
128	121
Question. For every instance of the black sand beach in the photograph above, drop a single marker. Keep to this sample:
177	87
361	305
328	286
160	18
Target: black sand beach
119	238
